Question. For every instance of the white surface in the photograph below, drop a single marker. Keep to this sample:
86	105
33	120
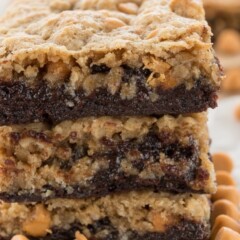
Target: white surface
224	129
3	4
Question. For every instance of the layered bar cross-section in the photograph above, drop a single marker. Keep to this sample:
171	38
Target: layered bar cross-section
132	216
61	60
99	156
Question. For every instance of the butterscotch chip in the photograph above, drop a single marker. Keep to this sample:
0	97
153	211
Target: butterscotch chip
129	8
222	162
225	178
19	237
227	234
159	223
224	207
39	223
224	221
232	81
228	42
230	193
79	236
237	113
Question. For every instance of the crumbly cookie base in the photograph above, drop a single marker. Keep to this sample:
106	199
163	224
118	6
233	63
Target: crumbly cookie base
121	216
21	104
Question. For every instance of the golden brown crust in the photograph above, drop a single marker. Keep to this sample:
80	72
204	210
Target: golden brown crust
81	33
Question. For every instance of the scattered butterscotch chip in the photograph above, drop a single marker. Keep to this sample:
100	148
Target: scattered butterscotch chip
237	112
222	162
19	237
79	236
224	207
230	193
225	178
39	223
232	81
224	221
228	42
227	234
161	223
129	8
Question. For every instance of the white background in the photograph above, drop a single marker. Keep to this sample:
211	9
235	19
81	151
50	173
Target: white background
224	128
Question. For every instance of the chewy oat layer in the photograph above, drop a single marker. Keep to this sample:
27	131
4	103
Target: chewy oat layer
65	59
98	156
129	216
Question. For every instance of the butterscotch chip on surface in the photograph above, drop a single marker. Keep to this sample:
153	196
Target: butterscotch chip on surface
222	162
227	234
237	112
230	193
224	221
228	42
224	207
225	178
19	237
231	83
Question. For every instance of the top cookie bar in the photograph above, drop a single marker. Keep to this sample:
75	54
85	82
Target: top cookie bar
65	59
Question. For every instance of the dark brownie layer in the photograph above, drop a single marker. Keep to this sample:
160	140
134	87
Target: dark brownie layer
185	230
175	177
20	103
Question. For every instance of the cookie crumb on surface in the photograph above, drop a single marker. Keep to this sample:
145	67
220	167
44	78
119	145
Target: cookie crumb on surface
19	237
222	161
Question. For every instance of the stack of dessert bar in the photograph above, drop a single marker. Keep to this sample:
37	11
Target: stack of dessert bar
103	132
224	18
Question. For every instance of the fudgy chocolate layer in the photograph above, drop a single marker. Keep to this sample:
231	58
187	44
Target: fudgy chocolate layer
185	230
20	103
174	178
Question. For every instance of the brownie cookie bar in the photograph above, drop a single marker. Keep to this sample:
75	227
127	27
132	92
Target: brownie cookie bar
61	60
132	216
98	156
